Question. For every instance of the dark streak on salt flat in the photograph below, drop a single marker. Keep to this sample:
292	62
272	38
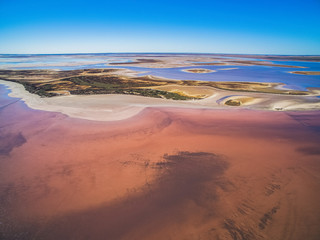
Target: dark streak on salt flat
9	141
314	150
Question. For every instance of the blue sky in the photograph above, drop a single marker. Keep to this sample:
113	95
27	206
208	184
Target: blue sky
263	27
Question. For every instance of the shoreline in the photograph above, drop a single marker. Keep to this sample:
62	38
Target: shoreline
103	107
115	107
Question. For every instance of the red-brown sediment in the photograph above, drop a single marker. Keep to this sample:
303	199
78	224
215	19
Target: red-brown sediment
165	173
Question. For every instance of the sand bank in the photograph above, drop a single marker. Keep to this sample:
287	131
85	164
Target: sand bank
104	107
198	70
113	107
306	72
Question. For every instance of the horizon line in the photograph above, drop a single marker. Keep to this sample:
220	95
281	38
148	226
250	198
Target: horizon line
195	53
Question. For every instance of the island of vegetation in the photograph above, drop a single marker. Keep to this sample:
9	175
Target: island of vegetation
48	83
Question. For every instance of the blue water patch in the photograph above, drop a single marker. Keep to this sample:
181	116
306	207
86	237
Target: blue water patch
241	74
235	74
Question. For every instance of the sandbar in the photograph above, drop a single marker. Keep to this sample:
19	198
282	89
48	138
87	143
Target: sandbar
306	72
113	107
198	70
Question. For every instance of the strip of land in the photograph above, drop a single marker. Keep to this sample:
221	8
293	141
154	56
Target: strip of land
113	94
306	72
194	60
303	58
198	70
241	62
48	83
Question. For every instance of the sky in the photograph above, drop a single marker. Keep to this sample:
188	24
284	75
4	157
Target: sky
102	26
